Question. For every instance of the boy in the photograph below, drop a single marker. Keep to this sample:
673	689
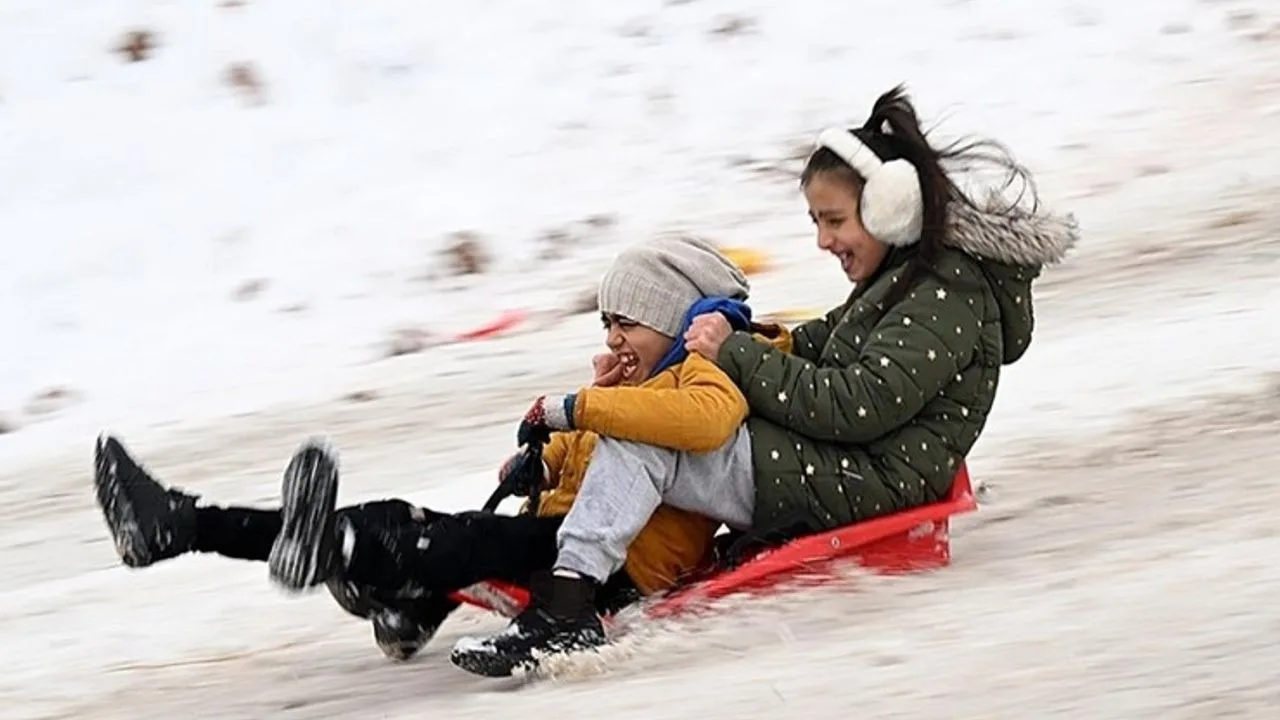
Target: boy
397	564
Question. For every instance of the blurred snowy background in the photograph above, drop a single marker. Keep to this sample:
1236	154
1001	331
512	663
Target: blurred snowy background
218	220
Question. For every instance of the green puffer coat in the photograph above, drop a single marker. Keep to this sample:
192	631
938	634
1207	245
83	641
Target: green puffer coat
876	406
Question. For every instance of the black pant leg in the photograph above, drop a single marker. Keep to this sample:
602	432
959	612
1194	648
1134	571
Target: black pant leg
452	552
236	532
248	533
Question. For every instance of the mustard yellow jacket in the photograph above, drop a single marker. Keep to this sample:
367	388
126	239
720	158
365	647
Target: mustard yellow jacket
691	407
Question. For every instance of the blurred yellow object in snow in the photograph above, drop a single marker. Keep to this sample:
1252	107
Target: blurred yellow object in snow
752	261
749	260
791	315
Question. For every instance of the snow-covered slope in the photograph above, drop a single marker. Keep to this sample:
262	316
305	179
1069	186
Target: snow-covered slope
1120	568
138	199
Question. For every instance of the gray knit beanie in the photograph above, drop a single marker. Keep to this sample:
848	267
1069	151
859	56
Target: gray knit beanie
656	282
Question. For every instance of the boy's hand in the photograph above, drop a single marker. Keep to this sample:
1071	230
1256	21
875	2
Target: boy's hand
607	369
706	334
547	414
510	465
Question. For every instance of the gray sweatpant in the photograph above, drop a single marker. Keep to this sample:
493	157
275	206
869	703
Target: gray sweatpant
627	481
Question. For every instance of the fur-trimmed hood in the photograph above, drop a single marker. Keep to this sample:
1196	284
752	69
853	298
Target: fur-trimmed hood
1010	235
1012	244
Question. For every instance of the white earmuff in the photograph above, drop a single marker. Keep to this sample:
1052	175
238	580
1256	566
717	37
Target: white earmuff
892	206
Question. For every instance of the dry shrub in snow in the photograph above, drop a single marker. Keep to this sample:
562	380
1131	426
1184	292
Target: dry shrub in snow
636	28
733	25
465	254
52	400
553	244
556	243
601	221
1234	218
584	302
407	341
1268	35
8	424
1175	28
244	78
250	289
1242	19
136	45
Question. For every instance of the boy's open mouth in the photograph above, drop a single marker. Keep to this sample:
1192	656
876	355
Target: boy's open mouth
630	364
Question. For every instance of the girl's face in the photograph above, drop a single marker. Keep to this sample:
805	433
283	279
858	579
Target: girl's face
833	207
639	349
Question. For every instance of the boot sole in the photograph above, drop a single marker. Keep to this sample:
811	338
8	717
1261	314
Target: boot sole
486	665
484	662
303	553
117	508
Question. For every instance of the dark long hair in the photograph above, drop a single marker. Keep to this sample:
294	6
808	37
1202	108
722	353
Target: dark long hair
893	132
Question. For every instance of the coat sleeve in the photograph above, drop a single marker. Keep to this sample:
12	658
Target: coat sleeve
808	339
699	414
913	353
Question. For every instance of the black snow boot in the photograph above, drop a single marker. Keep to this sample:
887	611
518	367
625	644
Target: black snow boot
404	627
305	553
379	543
560	618
148	521
401	627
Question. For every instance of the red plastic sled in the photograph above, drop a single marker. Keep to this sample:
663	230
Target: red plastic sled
914	540
503	322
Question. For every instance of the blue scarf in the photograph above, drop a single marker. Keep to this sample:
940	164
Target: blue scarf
736	312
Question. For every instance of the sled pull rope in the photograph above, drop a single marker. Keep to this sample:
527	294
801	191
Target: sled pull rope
524	479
